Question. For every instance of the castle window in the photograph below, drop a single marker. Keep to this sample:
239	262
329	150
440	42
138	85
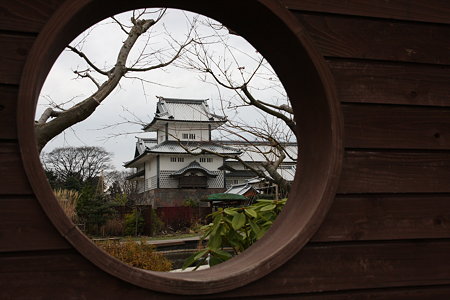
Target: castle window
188	136
180	159
173	159
206	159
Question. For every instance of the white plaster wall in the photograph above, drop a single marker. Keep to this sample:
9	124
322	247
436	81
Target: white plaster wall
161	135
176	131
167	167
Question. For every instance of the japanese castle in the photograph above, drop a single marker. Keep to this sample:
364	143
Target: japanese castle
184	162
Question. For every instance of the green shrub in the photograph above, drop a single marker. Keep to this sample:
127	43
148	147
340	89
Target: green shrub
137	254
236	228
191	203
157	225
134	223
93	210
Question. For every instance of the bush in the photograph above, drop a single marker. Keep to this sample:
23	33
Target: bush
137	254
134	223
156	224
113	227
236	228
191	203
93	209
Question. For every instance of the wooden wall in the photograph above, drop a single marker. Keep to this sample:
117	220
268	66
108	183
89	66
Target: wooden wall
387	235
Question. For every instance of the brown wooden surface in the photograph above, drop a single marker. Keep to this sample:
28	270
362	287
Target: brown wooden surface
26	16
61	275
25	226
398	127
8	95
395	172
386	217
418	293
347	266
387	82
12	173
354	37
14	52
319	267
387	233
435	11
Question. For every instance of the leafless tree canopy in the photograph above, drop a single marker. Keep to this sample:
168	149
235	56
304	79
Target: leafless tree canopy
56	119
252	79
84	162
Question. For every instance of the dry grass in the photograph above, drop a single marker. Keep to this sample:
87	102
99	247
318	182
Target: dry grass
138	254
113	227
68	201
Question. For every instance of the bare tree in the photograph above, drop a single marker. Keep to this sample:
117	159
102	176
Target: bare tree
86	163
249	77
119	184
56	119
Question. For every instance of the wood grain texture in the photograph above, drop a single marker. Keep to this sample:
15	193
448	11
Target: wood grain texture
14	180
26	16
422	10
414	293
25	227
14	52
386	217
396	127
62	275
395	172
354	37
8	103
334	267
340	267
396	83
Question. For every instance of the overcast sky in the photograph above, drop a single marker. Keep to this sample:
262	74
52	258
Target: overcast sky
134	97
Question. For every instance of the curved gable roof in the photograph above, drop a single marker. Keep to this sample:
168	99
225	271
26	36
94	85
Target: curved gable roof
193	166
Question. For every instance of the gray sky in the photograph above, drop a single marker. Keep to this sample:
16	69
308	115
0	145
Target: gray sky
133	97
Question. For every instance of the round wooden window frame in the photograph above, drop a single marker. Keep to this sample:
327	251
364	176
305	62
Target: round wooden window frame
308	81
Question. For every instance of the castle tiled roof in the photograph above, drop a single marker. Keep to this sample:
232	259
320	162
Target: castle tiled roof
180	147
183	110
193	166
191	147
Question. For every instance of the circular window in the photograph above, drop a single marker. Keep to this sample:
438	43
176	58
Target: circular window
275	33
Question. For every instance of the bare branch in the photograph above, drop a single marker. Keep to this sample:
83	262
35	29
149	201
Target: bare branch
86	59
86	74
48	113
122	27
161	65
